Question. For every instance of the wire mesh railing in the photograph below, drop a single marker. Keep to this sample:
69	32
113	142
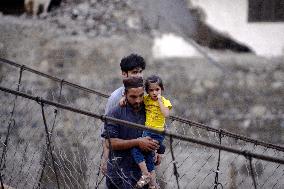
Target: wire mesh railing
75	143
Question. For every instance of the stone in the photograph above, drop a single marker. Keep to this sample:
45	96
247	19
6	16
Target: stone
277	85
133	22
215	123
90	23
250	81
43	65
102	29
258	110
278	75
197	88
83	8
246	123
75	13
209	84
226	95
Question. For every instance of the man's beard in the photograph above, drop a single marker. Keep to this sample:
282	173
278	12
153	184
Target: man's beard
136	106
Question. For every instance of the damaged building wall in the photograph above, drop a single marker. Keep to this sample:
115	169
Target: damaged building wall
230	17
177	22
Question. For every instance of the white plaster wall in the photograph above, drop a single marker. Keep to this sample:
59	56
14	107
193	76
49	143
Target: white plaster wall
265	38
170	45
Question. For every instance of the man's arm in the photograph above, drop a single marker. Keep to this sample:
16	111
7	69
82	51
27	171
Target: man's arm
114	99
145	144
111	102
112	131
104	157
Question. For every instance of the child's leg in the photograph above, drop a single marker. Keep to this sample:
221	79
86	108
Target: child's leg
143	168
153	181
139	159
149	159
146	176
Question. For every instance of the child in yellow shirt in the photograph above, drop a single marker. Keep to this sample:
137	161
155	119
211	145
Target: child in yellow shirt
157	109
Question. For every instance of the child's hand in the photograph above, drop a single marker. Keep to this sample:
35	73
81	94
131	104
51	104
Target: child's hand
158	158
122	101
159	96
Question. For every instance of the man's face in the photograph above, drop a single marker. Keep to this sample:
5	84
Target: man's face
136	72
134	97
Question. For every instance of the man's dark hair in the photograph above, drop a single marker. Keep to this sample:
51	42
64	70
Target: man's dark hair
153	79
132	82
131	62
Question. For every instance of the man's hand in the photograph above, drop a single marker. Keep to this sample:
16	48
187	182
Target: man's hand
104	157
148	144
104	165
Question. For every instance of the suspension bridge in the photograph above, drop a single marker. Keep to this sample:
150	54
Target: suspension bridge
50	138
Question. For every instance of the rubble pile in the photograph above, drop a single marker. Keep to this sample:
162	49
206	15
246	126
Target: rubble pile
95	17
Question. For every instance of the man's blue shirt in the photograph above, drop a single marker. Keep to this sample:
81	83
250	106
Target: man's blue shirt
121	161
113	101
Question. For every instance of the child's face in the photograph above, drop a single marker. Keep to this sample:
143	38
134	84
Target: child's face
154	90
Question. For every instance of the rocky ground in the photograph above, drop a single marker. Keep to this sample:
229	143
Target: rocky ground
93	17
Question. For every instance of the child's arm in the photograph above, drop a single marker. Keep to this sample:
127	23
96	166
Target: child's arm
122	101
164	110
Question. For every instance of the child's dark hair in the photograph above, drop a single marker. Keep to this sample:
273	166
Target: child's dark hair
153	79
131	62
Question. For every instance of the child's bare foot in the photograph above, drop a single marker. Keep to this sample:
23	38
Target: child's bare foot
145	179
154	187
